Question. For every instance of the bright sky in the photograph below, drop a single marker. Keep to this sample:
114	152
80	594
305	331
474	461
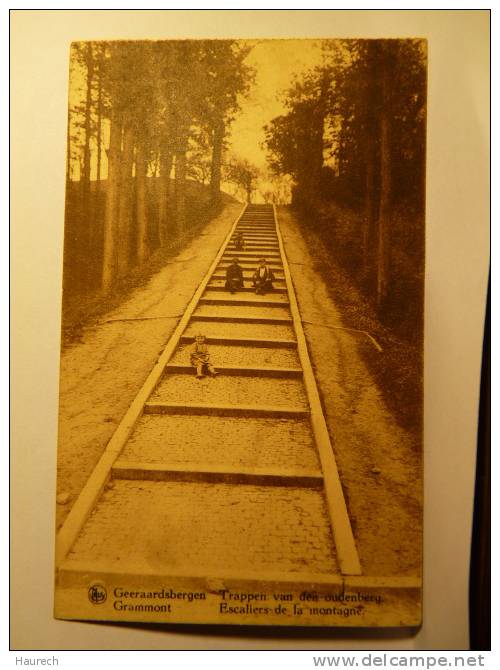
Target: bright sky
275	61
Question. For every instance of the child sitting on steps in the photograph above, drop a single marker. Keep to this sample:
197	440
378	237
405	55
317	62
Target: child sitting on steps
200	358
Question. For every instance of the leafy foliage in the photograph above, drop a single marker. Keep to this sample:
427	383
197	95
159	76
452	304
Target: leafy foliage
353	141
243	175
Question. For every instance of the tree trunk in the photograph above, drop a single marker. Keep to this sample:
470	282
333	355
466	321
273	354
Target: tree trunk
100	106
89	60
111	211
215	168
371	102
95	218
369	214
124	222
68	148
180	191
140	177
313	161
318	116
384	218
163	196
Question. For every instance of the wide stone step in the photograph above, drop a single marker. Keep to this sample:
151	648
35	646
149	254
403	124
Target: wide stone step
274	411
254	246
135	470
258	241
242	354
216	442
250	312
248	282
234	317
256	229
250	265
252	258
207	528
252	254
256	226
240	371
243	341
260	252
215	286
264	331
267	300
258	235
248	274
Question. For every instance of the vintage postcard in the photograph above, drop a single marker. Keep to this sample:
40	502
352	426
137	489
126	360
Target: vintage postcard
241	398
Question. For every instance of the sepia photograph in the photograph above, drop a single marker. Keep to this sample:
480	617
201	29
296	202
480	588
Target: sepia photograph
241	374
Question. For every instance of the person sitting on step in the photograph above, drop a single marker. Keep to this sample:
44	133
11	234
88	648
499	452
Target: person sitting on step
239	241
200	358
263	278
234	276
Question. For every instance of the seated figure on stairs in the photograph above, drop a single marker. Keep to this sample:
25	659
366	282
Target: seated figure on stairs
200	358
263	278
239	241
234	276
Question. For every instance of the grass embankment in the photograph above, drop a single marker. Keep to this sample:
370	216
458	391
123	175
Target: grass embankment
398	368
84	305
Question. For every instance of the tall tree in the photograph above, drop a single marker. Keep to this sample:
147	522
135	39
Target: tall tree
296	141
101	60
117	72
88	58
162	129
243	174
187	87
141	172
227	79
385	204
111	239
126	195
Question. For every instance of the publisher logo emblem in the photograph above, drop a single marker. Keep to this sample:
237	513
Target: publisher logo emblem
97	594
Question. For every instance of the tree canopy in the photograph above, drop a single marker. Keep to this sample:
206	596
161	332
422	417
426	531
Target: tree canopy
353	137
